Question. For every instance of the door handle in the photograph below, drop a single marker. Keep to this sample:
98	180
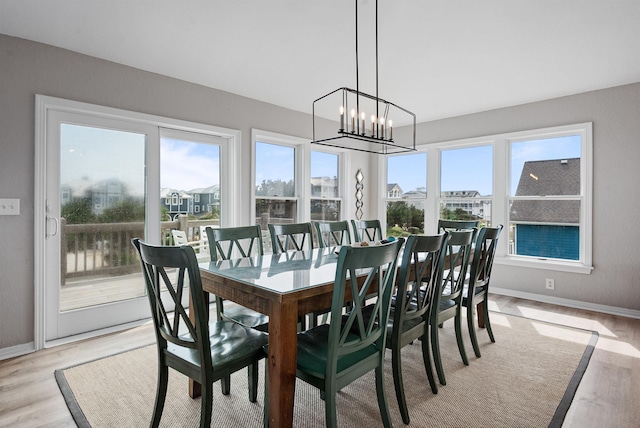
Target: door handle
57	223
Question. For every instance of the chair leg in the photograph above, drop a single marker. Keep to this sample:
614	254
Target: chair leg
161	394
225	383
206	403
252	377
330	412
382	396
472	329
396	363
426	357
487	323
458	325
435	349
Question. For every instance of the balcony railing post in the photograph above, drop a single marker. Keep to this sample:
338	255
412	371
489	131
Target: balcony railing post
63	250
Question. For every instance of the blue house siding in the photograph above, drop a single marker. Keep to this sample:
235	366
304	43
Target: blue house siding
558	242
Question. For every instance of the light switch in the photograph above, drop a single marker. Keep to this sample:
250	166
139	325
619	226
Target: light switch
9	206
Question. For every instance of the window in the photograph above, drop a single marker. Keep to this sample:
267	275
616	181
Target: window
536	183
275	185
325	189
466	184
406	193
545	197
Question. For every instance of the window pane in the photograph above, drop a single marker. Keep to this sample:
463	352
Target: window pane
407	176
102	203
325	210
467	172
406	193
546	167
275	170
466	209
405	217
324	175
549	241
543	226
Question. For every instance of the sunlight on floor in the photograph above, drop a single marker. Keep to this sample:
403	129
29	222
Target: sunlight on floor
567	320
558	332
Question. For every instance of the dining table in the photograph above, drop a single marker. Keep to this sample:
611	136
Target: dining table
285	287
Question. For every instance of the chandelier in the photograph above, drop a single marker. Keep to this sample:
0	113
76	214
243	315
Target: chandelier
366	122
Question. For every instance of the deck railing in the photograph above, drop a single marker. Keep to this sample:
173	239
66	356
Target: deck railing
104	249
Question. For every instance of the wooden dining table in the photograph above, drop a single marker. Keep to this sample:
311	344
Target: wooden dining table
284	287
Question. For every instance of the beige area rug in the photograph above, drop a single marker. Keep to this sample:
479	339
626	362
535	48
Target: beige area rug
526	379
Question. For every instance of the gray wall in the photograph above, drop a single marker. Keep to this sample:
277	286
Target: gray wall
28	68
615	114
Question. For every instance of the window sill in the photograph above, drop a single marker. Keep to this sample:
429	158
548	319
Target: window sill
555	265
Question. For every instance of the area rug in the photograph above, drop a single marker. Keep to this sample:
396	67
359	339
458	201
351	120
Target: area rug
527	378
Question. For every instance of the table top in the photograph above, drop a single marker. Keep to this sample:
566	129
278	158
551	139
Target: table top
280	273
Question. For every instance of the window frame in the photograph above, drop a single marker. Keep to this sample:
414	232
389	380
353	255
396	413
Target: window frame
302	173
501	196
342	178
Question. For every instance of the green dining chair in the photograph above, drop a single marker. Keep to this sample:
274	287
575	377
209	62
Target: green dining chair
235	242
418	273
451	225
293	236
203	351
333	233
447	302
476	295
367	230
331	356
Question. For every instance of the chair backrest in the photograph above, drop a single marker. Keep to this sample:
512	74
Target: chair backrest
246	240
333	233
456	263
367	230
179	237
419	271
450	225
359	333
293	236
167	267
483	254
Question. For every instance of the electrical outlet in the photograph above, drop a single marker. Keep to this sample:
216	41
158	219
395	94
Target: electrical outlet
551	284
9	206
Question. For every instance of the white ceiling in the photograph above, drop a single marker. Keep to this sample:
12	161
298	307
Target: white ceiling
437	58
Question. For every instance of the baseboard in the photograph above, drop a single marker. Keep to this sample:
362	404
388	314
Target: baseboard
17	350
613	310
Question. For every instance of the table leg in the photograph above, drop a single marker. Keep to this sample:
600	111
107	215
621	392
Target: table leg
480	311
283	340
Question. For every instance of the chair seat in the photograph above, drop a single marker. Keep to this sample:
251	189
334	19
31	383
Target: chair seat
230	342
313	348
446	304
245	316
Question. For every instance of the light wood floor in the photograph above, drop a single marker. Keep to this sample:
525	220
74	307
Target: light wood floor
608	395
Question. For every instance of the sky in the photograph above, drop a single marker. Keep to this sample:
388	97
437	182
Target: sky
409	170
99	154
102	153
185	165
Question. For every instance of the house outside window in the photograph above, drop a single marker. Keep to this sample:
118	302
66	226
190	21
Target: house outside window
326	203
406	194
466	184
546	198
